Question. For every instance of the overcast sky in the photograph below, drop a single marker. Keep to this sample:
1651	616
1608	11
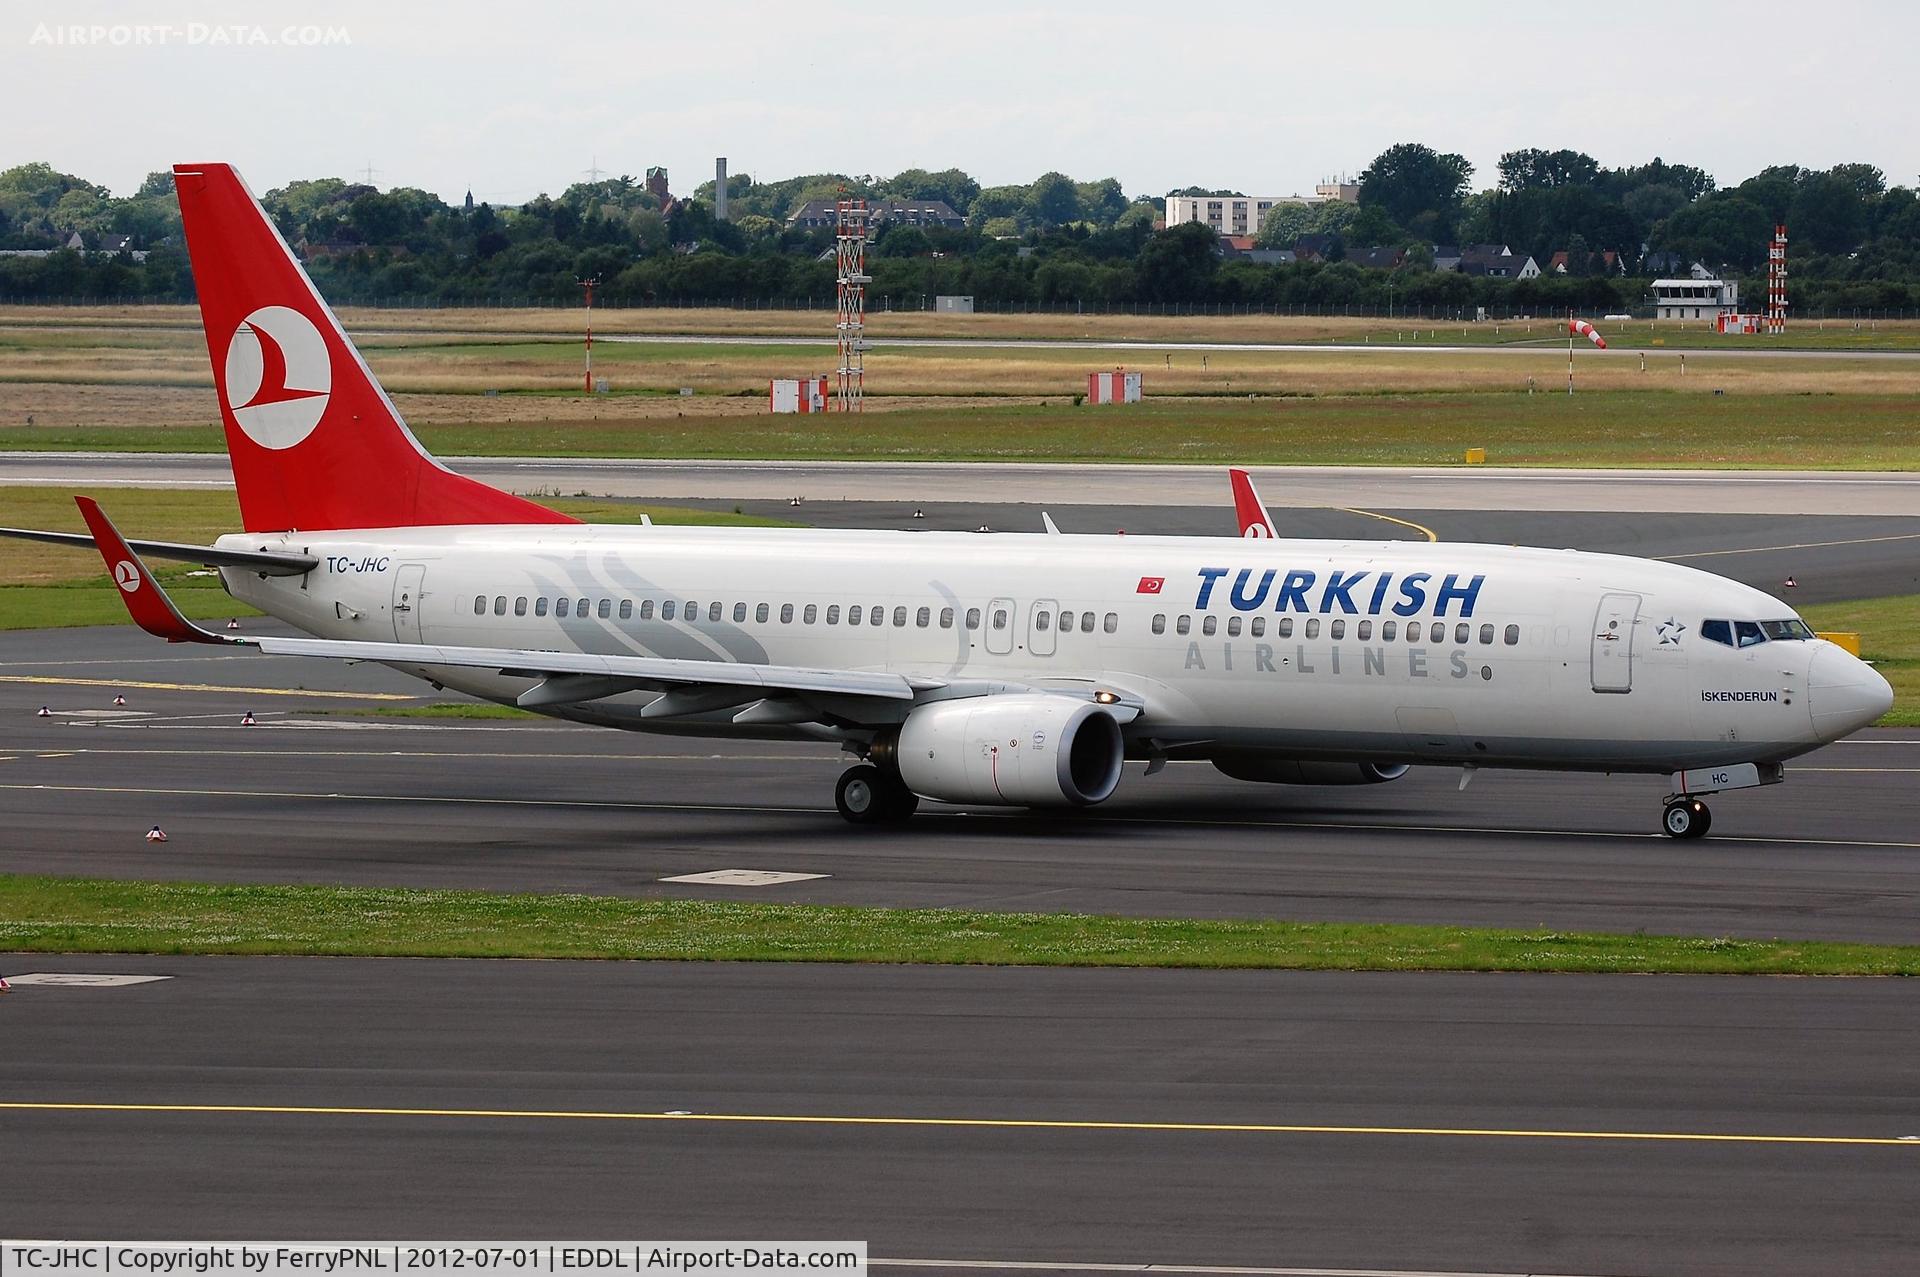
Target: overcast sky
512	99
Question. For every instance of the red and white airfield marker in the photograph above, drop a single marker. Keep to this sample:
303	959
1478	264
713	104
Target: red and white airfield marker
156	834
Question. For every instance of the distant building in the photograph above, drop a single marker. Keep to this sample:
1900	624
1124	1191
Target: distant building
1610	262
1317	247
819	214
1344	191
1692	298
1495	261
1378	258
1446	257
116	243
1232	214
954	303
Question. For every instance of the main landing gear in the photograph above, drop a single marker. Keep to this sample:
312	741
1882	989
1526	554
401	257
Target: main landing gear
868	795
1686	818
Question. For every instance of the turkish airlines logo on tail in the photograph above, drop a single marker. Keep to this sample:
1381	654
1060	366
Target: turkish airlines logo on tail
126	576
1151	585
278	376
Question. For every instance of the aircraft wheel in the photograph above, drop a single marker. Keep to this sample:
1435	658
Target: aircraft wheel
1686	818
862	795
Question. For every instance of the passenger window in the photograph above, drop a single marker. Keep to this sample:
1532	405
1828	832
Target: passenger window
853	615
946	618
999	618
1285	627
1337	629
833	614
1208	624
605	609
500	605
1461	632
923	618
580	608
666	609
761	613
540	606
560	607
690	610
973	618
1160	623
1066	622
1233	627
646	609
1086	622
1259	626
1313	627
1486	635
899	618
786	614
1041	620
1437	632
1363	631
1512	636
1388	629
520	606
739	613
479	605
1184	625
626	609
807	617
713	611
1747	633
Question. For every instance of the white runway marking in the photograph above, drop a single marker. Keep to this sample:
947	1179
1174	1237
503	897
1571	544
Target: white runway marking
80	980
744	878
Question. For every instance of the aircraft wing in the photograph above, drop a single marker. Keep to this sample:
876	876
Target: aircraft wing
267	562
1247	506
566	677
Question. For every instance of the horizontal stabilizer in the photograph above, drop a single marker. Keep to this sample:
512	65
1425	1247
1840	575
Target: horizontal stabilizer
266	562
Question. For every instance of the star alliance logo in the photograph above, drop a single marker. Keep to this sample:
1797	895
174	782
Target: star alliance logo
1670	631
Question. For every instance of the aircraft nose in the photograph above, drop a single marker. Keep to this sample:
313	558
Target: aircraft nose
1844	693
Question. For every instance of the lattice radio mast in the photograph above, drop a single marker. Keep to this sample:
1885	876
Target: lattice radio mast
1777	281
850	255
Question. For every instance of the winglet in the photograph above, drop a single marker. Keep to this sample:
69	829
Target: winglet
145	600
1247	508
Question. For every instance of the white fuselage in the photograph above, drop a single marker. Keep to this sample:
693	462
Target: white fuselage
1375	651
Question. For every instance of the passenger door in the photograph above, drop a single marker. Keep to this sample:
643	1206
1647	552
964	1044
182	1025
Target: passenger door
1613	627
406	602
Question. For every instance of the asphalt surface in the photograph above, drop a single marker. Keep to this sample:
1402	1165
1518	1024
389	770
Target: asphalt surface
1466	1122
1761	492
313	793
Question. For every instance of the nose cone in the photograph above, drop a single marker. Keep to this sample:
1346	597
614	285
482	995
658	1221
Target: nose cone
1844	693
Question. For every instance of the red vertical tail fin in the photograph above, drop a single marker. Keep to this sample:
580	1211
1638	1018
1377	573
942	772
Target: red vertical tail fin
315	442
1247	507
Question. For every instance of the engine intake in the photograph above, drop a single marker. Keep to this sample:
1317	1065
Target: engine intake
1307	771
1016	750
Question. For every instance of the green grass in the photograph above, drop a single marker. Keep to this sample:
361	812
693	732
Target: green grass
1889	630
1611	428
440	709
80	915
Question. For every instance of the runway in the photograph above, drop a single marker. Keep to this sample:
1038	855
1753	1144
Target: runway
1465	1123
1756	492
314	794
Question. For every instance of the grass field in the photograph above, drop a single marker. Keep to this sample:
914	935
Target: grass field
49	586
1825	334
69	915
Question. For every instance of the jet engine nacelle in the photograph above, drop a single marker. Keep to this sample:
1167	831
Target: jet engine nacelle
1295	771
1015	750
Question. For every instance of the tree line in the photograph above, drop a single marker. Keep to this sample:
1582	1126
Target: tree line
1054	241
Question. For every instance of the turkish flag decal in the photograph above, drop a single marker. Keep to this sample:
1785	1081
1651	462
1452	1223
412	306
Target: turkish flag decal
1151	584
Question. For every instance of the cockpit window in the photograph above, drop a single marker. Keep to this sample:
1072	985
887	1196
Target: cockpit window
1717	632
1794	629
1747	633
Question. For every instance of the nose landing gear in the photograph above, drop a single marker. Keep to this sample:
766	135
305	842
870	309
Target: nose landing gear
1686	818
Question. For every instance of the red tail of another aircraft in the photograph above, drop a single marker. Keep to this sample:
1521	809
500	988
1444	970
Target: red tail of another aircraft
315	442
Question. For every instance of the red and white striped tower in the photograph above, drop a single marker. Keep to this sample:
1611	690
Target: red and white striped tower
850	254
1777	281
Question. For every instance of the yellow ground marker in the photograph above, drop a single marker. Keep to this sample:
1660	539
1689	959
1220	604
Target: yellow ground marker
202	687
964	1123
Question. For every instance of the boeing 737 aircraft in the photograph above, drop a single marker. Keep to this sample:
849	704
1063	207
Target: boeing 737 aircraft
997	669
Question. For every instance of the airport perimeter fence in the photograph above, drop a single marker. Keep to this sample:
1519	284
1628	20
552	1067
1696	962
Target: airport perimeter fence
889	305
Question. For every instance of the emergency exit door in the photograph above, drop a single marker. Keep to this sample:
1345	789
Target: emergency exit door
1613	627
406	602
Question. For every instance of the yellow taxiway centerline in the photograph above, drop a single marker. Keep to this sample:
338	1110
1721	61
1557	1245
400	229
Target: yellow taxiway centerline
203	687
967	1123
1421	528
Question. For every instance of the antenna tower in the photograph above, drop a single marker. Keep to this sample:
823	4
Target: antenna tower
1777	281
850	255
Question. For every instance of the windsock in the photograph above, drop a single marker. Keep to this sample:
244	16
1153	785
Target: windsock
1584	329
